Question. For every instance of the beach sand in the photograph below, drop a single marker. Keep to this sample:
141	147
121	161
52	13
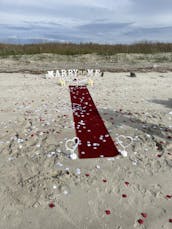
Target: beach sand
36	120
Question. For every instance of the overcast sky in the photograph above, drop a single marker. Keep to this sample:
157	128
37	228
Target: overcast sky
102	21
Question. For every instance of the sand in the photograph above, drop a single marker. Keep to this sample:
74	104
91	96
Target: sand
36	120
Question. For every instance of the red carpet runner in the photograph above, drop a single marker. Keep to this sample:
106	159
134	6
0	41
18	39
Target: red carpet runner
95	141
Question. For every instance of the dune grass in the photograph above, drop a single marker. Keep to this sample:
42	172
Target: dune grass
87	48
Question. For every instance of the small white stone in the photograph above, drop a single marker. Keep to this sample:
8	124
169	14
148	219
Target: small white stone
11	158
134	162
78	171
73	156
59	164
124	153
111	159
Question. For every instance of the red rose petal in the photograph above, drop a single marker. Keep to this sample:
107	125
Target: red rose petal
104	180
127	183
140	221
51	205
168	196
108	212
124	195
87	174
144	215
170	220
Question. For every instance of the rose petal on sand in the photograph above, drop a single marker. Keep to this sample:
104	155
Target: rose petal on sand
51	205
140	221
108	212
168	196
144	214
124	196
126	183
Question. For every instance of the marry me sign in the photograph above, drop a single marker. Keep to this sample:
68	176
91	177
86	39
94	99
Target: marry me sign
73	75
63	73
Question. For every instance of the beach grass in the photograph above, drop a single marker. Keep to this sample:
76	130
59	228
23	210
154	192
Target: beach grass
83	48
